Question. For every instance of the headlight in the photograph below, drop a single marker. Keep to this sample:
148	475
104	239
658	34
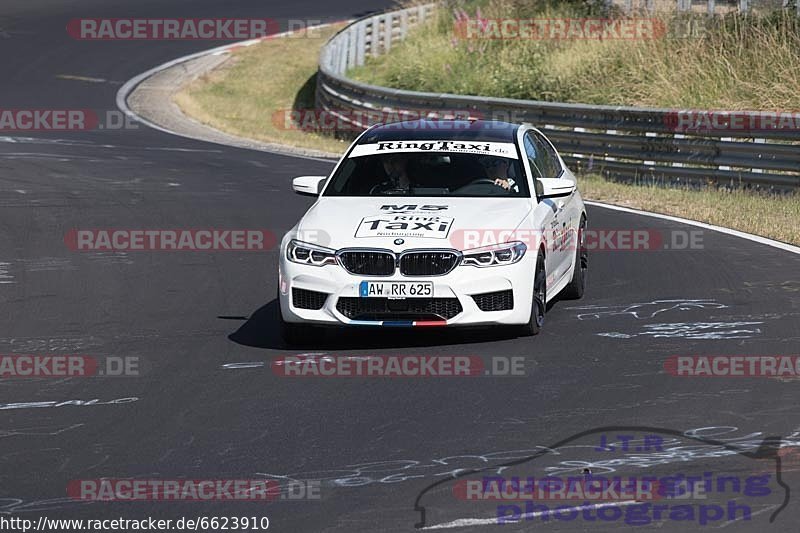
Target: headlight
309	254
495	255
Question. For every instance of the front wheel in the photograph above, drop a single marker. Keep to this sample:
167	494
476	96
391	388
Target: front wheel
293	334
539	302
576	287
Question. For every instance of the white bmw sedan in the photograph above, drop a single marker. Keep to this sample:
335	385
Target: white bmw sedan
435	224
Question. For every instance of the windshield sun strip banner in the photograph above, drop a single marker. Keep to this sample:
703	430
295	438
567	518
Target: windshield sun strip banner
459	147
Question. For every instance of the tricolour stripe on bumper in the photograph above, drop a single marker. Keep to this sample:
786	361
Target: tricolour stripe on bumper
399	323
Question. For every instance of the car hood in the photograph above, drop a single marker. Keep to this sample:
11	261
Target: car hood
419	222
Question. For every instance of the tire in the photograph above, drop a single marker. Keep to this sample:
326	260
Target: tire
293	334
539	301
577	286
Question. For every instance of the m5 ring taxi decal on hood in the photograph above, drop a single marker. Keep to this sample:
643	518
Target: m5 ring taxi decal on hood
465	147
425	226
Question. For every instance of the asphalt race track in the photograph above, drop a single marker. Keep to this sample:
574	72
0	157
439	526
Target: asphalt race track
376	447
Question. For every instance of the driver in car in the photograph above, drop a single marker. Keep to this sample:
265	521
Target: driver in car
497	170
398	180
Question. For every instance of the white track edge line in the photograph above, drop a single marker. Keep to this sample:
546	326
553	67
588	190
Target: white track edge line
129	86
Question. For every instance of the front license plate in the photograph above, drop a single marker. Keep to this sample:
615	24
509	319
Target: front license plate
396	289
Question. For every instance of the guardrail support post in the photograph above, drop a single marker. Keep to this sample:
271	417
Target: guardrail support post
678	136
759	141
388	22
361	42
650	134
725	139
344	59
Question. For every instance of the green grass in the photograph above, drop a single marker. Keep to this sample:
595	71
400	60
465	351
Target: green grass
251	93
760	214
735	63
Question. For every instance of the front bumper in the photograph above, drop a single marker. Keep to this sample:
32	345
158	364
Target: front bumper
452	304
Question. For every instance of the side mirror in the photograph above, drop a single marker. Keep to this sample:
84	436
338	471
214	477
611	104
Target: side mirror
554	187
308	185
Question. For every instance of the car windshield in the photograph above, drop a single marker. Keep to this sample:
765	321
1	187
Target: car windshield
428	173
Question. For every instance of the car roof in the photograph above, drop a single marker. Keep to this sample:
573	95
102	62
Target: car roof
427	129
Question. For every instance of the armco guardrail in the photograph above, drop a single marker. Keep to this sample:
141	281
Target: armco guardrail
621	142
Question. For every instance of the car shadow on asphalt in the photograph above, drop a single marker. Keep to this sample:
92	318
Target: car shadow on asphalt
261	330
